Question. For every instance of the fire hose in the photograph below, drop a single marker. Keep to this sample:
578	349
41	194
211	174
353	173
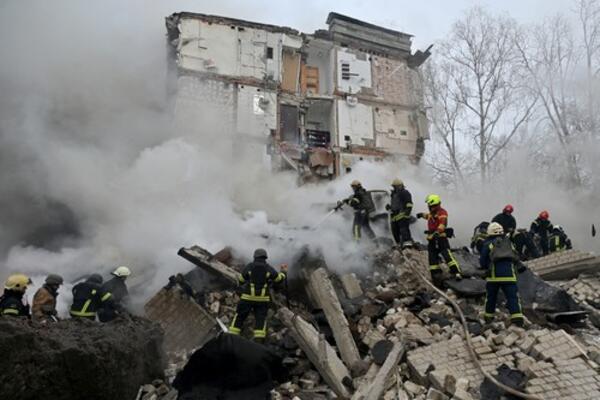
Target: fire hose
508	389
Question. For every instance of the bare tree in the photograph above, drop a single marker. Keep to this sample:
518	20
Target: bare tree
484	82
446	116
588	12
550	55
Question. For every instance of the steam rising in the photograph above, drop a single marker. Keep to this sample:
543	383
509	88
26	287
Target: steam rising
94	173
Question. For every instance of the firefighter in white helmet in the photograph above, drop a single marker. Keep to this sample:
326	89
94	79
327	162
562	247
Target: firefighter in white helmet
117	287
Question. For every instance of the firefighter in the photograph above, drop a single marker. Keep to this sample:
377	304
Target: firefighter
506	219
400	208
479	236
88	297
437	239
542	227
498	258
524	245
14	301
43	307
362	203
119	295
558	240
256	280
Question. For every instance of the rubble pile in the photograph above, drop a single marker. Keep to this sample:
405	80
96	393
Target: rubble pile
78	359
386	334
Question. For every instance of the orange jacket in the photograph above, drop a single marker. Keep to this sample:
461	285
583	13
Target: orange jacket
44	304
437	221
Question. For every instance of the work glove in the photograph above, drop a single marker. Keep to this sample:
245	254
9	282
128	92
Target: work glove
388	207
420	215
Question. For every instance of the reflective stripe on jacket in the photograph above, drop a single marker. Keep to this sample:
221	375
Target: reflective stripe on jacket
256	280
499	271
87	298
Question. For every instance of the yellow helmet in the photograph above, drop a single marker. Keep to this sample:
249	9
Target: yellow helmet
433	200
355	183
17	282
397	182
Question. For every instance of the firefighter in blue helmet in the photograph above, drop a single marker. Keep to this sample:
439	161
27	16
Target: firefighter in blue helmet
256	280
498	257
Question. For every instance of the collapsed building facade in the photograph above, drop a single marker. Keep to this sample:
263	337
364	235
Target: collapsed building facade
317	103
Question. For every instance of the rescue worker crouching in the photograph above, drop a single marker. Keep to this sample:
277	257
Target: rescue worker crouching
43	307
524	245
256	280
542	227
498	258
13	301
362	203
400	208
88	297
437	240
558	240
116	286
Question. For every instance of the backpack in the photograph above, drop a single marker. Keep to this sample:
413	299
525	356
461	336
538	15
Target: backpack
503	250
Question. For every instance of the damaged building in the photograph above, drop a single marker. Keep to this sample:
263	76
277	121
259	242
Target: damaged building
315	103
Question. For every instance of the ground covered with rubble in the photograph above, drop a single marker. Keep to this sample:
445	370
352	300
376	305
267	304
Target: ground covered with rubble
384	333
74	360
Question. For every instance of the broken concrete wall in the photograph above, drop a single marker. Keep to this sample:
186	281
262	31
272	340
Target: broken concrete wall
74	360
565	264
320	54
396	130
353	71
355	121
231	49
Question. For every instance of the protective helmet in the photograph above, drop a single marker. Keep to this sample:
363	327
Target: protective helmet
122	272
95	278
355	183
260	253
433	200
54	279
508	209
544	215
17	282
397	182
495	229
557	228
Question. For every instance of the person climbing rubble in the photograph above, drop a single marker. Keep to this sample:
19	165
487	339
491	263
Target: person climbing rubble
558	240
542	228
88	297
438	245
13	301
256	280
400	208
498	257
524	245
362	203
479	236
117	287
506	219
43	307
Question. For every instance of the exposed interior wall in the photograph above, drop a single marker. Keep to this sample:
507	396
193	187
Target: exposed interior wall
396	130
392	81
256	111
318	115
355	121
358	68
231	50
319	55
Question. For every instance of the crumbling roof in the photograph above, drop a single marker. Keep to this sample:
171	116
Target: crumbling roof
335	16
217	19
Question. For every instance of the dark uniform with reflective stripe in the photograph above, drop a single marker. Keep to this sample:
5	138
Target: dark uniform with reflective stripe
400	209
363	205
87	298
524	245
118	290
543	228
11	303
437	243
508	222
559	241
256	280
501	275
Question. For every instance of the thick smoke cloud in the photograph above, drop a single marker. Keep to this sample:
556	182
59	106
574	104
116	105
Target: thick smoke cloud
94	173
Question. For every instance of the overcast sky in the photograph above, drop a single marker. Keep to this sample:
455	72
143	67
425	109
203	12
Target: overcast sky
427	20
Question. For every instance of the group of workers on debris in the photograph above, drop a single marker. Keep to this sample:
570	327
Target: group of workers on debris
92	298
500	245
